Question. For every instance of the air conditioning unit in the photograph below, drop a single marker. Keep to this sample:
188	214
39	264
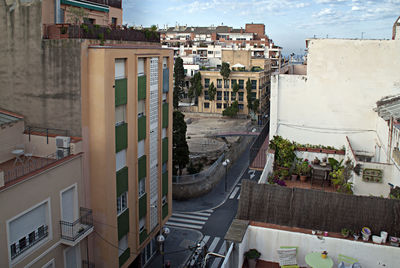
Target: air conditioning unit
61	153
62	142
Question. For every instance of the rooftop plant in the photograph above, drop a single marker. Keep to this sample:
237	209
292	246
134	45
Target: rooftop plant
284	151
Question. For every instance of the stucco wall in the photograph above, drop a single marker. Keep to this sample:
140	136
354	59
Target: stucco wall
267	241
11	137
40	79
345	79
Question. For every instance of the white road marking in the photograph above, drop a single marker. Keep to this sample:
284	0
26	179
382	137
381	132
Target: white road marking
189	216
184	225
186	220
199	213
213	244
233	194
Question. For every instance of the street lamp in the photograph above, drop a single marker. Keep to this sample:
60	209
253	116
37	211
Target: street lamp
225	164
160	240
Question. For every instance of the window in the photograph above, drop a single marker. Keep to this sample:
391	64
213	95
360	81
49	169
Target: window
141	149
89	21
142	187
241	84
253	84
120	160
120	114
226	83
164	167
142	224
241	96
233	81
253	95
219	83
219	95
141	108
226	95
114	21
233	96
164	200
210	52
206	97
206	105
225	105
122	203
122	245
219	105
206	82
240	106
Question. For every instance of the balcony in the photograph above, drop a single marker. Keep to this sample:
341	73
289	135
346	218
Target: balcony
111	3
73	232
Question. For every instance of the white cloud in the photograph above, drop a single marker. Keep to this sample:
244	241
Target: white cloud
329	1
357	8
324	12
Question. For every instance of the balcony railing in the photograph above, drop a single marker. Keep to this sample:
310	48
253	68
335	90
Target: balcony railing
73	231
24	243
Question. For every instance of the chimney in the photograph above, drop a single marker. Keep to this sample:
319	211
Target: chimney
241	30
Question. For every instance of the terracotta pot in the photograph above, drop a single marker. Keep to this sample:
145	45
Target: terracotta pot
252	263
294	177
303	178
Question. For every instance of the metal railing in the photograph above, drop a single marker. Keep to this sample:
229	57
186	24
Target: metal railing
48	131
73	230
256	147
29	166
24	243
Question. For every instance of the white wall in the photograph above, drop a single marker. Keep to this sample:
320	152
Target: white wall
338	95
374	188
267	241
268	168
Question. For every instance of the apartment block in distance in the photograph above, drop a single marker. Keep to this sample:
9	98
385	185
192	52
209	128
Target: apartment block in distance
255	69
44	214
112	93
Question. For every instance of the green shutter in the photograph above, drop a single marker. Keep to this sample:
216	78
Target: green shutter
141	87
165	210
122	181
165	80
142	167
165	183
141	128
142	236
165	150
123	224
124	256
142	206
121	91
121	137
165	115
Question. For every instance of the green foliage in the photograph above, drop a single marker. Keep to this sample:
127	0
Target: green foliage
194	168
85	28
180	149
179	76
345	232
341	177
225	70
252	254
235	87
303	168
212	90
284	151
248	95
196	87
231	110
256	104
395	193
76	14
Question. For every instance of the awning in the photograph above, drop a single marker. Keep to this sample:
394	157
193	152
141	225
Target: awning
84	4
389	107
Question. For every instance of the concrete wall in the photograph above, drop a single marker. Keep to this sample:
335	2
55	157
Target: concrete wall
28	193
338	95
40	78
267	241
11	137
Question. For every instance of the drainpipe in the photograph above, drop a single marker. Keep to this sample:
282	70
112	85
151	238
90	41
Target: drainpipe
389	154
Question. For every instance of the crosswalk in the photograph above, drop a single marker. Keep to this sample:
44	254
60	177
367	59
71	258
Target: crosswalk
235	192
213	244
192	220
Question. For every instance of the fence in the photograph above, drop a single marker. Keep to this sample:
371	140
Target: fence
205	173
72	230
258	149
317	210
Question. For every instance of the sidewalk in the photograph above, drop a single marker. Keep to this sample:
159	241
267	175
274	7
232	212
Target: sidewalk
177	247
217	195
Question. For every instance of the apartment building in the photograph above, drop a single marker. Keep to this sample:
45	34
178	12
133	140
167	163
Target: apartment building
243	67
113	94
42	193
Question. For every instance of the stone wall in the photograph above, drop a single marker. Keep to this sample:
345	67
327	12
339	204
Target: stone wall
40	79
195	186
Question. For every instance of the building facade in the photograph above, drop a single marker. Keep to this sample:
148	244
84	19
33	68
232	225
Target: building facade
114	96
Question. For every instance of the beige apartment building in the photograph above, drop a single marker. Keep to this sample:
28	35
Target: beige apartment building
44	214
258	70
112	95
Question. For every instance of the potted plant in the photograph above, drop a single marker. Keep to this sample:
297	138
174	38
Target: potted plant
345	232
304	169
252	255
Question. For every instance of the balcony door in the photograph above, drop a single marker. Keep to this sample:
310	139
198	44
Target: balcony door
69	205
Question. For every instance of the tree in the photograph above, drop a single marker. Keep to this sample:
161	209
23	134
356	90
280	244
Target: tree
231	110
225	70
196	87
248	95
180	149
212	91
179	76
256	104
76	14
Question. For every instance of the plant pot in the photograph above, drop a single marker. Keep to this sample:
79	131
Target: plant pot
252	263
294	177
303	178
356	236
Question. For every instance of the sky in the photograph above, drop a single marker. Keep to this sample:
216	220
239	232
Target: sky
287	22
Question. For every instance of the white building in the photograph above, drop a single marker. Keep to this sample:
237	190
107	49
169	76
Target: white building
335	104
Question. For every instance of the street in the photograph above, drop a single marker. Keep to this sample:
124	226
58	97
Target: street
205	220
